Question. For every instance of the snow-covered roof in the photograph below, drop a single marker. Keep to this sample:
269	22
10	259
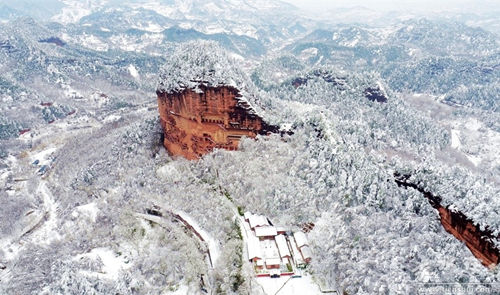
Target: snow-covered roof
257	220
306	252
254	250
282	246
273	261
247	215
296	253
300	239
265	231
282	229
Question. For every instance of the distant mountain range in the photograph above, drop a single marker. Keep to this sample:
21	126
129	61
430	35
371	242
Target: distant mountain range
246	27
361	15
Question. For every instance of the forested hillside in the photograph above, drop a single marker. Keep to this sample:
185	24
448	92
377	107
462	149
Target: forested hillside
92	203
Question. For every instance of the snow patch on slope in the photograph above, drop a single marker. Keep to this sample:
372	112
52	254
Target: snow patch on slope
457	144
455	139
112	263
90	210
133	71
71	15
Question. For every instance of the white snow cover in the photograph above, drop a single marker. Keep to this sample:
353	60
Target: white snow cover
71	14
133	71
257	220
200	63
273	261
300	239
306	252
205	63
212	243
288	285
247	215
253	246
90	210
112	263
296	252
455	139
265	231
282	246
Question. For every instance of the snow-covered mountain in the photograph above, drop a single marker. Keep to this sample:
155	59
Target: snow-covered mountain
240	17
488	20
90	202
248	27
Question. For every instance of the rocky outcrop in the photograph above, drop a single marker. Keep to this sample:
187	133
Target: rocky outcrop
53	40
196	122
374	91
480	242
207	102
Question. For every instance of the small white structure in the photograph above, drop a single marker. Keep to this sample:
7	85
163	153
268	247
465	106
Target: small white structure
297	256
273	262
282	246
254	251
247	215
257	221
306	253
300	239
265	232
282	230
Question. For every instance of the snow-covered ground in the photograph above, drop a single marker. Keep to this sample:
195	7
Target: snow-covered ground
471	137
478	142
44	156
289	286
183	290
112	262
455	139
71	15
44	221
45	234
457	144
90	211
133	71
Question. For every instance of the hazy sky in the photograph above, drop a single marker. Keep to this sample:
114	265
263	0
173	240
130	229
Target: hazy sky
386	5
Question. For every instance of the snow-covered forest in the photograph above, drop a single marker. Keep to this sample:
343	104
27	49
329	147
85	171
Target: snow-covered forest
90	199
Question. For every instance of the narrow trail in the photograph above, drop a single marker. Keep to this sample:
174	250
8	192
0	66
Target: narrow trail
43	230
40	230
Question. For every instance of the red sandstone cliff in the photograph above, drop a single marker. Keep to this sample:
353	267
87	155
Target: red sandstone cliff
196	122
204	101
480	242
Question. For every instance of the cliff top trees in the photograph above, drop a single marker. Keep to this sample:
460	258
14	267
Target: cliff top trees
205	63
200	63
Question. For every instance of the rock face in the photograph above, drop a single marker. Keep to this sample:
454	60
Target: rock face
480	242
53	40
196	122
205	101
